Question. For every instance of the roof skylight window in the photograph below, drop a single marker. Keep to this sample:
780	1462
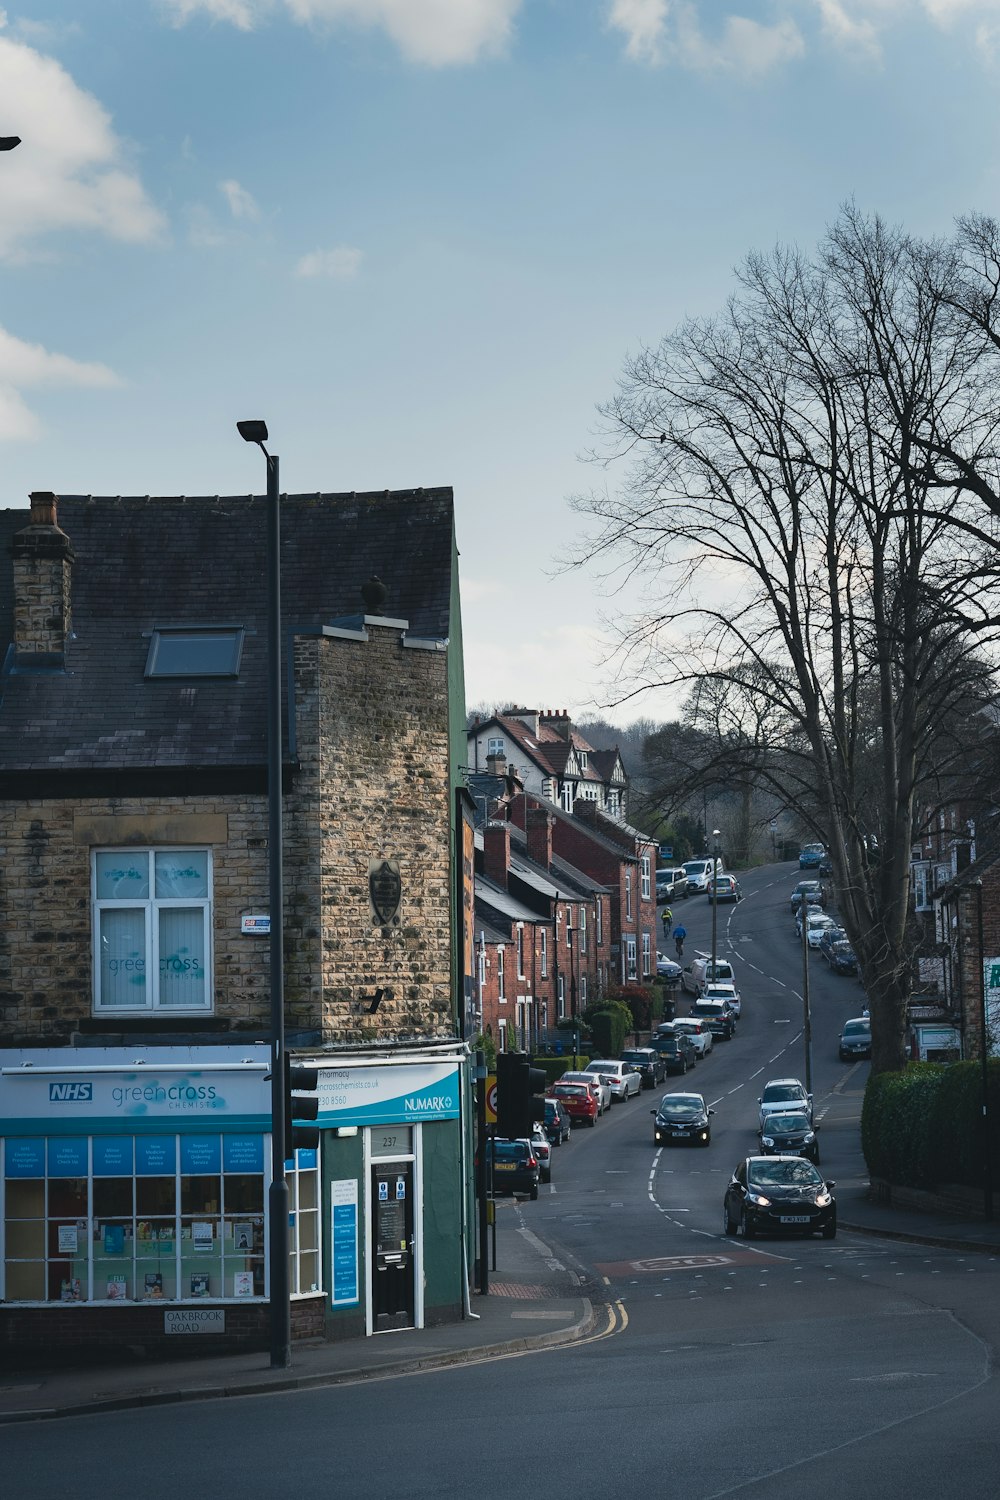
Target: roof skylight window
195	651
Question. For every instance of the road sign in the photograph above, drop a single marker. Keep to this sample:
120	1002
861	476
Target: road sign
491	1099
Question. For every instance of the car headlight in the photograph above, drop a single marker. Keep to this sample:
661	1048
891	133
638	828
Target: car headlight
767	1141
758	1200
823	1200
810	1136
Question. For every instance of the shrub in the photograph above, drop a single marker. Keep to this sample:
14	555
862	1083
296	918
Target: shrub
610	1023
923	1127
640	1001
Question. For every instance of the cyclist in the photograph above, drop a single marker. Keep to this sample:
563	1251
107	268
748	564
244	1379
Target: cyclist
668	921
680	933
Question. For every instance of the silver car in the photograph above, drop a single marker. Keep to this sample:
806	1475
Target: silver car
697	1034
621	1077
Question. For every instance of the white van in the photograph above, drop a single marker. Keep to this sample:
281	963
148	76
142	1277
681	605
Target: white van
699	872
696	974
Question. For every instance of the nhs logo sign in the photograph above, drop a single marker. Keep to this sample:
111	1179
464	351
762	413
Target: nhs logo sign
71	1093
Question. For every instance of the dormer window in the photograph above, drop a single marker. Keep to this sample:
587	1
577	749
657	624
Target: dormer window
195	651
583	759
495	746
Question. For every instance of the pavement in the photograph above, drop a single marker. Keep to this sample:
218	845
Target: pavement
535	1300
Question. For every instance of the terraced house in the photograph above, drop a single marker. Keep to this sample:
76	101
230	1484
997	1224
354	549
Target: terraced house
134	978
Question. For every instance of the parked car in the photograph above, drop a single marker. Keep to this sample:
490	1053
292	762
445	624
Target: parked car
856	1039
682	1117
515	1167
817	922
825	868
674	1052
670	885
717	1016
837	951
813	892
811	856
667	968
789	1134
779	1195
725	888
542	1148
579	1100
622	1079
558	1125
781	1095
700	871
651	1067
698	973
671	1029
594	1081
697	1032
718	989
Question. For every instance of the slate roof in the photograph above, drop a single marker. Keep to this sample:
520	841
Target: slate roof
155	561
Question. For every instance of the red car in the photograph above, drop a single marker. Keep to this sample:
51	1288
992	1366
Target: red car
578	1100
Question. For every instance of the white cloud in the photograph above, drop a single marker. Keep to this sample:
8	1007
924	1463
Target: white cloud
853	33
27	366
242	204
657	31
437	33
341	263
644	23
68	173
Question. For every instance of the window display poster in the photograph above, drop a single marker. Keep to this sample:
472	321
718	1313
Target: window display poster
24	1157
153	1289
155	1155
117	1289
344	1247
243	1153
112	1156
243	1236
114	1239
199	1284
68	1156
203	1234
243	1284
68	1239
70	1291
200	1154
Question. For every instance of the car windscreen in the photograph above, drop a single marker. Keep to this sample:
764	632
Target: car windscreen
636	1057
673	1106
571	1090
783	1171
602	1067
779	1124
776	1093
858	1028
510	1150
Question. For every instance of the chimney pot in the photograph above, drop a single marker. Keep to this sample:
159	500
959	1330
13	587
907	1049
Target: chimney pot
43	508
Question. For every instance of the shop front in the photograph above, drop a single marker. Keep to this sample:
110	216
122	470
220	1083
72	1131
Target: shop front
133	1193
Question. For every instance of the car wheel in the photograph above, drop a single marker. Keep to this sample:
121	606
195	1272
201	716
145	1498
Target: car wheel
534	1192
592	1121
729	1224
746	1228
830	1232
684	1067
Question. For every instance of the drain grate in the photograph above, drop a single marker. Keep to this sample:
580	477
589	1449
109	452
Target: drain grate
517	1289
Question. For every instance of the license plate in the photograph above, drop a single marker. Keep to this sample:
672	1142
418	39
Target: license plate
678	1132
505	1166
794	1219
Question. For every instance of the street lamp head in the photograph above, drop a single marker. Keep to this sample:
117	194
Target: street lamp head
716	832
8	142
252	432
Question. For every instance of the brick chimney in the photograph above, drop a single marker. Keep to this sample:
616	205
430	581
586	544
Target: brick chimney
496	765
540	836
43	575
496	853
557	719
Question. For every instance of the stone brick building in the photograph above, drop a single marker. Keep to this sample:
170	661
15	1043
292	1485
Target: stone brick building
134	977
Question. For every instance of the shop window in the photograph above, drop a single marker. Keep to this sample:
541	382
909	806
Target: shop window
150	1218
152	933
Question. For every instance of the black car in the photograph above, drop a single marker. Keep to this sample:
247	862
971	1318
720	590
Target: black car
682	1117
650	1064
779	1195
812	892
856	1039
558	1125
515	1167
717	1016
673	1051
838	952
789	1135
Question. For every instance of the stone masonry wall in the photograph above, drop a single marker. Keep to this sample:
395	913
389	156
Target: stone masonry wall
378	712
46	948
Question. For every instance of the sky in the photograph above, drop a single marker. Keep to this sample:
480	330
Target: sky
420	237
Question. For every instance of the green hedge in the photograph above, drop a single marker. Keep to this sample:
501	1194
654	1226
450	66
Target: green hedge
609	1023
923	1127
555	1067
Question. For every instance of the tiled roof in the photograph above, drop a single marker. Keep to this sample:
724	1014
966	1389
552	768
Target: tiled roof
145	562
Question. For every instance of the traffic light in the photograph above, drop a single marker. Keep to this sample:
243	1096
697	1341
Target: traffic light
300	1106
520	1095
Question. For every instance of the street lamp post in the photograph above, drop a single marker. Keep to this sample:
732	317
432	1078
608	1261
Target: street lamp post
714	895
277	1199
570	930
984	1050
806	1012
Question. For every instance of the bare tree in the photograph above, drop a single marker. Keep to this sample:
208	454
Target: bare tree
834	588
